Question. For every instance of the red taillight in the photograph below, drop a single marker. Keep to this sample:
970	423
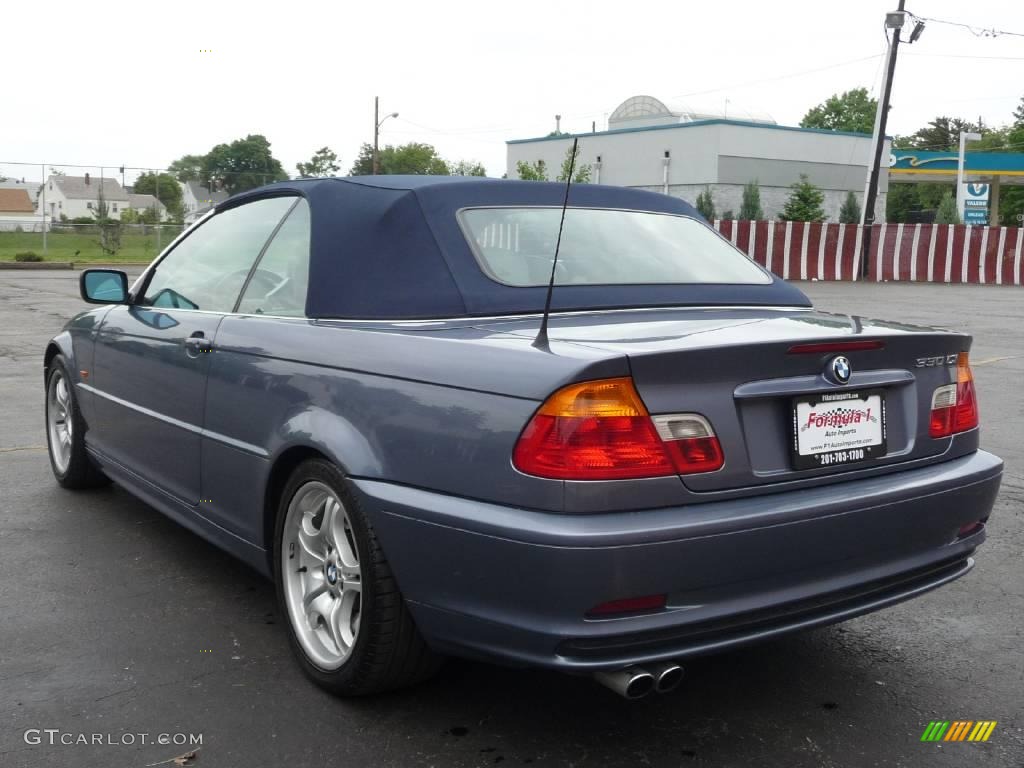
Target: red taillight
600	430
835	346
955	406
629	605
969	529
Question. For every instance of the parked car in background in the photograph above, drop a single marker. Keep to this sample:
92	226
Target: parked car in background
338	381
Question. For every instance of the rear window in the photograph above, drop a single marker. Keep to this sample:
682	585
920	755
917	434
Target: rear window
515	246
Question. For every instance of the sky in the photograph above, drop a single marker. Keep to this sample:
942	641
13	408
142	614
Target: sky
142	84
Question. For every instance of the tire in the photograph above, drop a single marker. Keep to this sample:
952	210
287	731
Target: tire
351	641
69	460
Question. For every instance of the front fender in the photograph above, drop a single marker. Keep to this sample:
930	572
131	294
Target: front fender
61	344
76	343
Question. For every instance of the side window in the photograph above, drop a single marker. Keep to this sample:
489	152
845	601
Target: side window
207	269
278	285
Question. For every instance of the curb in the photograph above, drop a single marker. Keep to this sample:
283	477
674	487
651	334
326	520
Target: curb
70	264
36	265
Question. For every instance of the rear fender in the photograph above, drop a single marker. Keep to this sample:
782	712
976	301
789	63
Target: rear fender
333	436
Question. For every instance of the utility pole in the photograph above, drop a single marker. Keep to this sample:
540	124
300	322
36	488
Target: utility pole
45	182
377	123
376	130
893	21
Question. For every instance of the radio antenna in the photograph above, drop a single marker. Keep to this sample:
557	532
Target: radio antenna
541	342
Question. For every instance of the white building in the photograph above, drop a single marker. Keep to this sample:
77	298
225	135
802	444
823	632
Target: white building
78	196
140	203
681	152
196	199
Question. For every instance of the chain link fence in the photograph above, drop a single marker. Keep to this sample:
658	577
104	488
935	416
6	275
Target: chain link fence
98	214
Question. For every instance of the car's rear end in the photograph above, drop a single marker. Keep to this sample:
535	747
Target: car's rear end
745	468
795	500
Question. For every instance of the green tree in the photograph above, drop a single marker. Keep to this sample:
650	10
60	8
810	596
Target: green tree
804	203
581	171
466	168
187	168
941	134
750	207
243	164
412	158
706	204
849	111
849	211
537	171
323	163
164	187
1018	114
947	212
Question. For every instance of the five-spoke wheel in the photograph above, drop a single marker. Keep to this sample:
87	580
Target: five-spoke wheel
348	622
322	577
59	421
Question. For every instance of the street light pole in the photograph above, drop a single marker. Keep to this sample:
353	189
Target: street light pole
961	195
376	130
893	21
377	123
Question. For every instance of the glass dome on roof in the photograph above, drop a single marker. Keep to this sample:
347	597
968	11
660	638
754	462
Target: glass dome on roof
646	110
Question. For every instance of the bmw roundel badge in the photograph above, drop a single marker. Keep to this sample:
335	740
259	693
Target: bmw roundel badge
840	369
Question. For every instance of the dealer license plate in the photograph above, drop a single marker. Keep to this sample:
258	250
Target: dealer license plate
835	428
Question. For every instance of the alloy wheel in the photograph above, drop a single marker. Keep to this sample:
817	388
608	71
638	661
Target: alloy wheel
59	421
322	576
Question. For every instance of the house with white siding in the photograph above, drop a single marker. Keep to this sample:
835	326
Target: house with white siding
196	199
139	203
77	196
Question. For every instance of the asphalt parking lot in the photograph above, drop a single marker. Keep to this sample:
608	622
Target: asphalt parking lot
115	620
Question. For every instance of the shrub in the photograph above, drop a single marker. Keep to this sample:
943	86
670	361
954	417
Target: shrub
706	204
27	256
750	208
804	203
849	212
947	212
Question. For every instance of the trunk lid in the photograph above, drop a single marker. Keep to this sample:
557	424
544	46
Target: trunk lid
738	368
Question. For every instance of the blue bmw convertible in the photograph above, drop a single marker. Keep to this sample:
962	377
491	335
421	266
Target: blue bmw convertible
345	383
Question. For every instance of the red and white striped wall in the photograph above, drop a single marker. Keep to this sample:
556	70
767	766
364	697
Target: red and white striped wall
942	253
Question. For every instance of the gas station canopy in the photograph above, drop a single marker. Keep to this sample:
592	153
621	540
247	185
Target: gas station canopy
910	165
984	174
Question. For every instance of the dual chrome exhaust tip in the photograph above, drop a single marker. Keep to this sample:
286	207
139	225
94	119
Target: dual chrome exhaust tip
636	682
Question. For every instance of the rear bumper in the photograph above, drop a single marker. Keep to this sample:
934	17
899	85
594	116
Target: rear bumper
513	585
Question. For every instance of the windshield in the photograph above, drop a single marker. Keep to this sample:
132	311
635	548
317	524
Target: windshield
515	246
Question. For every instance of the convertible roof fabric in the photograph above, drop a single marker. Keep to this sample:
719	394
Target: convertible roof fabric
390	247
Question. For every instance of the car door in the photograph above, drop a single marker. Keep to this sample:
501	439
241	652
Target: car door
251	391
153	355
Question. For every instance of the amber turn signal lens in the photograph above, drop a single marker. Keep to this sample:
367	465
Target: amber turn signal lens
594	430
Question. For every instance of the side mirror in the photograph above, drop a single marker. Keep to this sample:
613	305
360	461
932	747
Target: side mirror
104	286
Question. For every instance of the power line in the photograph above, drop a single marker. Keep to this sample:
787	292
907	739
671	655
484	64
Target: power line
116	169
967	56
974	29
576	115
